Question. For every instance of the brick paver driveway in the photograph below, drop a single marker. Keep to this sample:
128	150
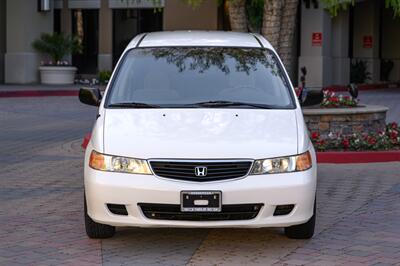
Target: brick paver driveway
41	220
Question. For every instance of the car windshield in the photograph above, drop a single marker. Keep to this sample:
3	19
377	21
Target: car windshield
199	77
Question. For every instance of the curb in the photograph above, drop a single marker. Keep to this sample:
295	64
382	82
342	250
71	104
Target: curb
334	157
358	157
38	93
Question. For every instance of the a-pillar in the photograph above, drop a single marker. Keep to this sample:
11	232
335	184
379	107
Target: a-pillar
340	49
105	37
24	25
366	36
315	52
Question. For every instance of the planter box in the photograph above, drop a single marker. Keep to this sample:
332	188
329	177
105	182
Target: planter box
57	75
345	121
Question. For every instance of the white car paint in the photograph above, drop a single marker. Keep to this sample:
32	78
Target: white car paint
200	134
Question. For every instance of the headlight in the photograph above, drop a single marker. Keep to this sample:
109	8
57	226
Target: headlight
299	162
119	164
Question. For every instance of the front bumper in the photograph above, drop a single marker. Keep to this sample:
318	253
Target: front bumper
102	188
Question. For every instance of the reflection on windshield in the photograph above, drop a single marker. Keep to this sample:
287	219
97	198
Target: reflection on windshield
181	76
193	58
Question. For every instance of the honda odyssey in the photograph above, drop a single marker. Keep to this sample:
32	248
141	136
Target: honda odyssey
202	130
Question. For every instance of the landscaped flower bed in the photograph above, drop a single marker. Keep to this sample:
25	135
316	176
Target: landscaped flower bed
331	100
388	139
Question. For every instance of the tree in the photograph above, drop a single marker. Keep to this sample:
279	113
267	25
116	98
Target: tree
277	19
237	15
279	27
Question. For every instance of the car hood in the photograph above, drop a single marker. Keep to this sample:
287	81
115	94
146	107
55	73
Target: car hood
200	133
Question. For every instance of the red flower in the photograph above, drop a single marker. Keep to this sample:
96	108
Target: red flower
394	125
394	134
371	140
315	135
334	99
346	143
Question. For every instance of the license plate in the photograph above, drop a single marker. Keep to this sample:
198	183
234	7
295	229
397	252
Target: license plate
201	201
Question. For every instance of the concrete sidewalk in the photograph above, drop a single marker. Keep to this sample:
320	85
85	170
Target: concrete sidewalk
37	87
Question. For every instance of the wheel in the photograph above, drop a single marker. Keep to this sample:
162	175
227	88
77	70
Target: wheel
96	230
303	231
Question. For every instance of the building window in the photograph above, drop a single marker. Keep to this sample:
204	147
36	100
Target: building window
85	25
127	23
57	20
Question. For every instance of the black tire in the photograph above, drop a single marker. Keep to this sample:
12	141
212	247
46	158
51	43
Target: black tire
96	230
303	231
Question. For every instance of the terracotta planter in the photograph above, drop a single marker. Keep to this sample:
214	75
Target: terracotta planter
57	75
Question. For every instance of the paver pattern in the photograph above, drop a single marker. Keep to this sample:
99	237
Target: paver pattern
41	219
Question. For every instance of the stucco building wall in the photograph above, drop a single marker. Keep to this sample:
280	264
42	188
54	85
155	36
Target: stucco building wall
2	38
24	25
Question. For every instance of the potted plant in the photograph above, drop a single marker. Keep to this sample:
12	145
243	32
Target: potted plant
57	46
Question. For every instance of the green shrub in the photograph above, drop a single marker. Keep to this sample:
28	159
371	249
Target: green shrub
104	76
359	72
386	68
57	45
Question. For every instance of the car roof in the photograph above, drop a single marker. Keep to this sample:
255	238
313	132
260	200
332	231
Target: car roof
199	38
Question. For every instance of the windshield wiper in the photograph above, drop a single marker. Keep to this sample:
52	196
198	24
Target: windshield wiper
133	105
230	103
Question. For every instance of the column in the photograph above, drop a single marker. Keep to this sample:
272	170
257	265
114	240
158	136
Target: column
180	16
2	38
340	49
105	37
24	25
66	23
391	42
366	36
315	52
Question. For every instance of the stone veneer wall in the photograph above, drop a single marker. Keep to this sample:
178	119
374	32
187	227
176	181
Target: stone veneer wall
366	119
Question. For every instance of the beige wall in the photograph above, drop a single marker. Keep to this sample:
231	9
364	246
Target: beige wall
2	38
180	16
24	25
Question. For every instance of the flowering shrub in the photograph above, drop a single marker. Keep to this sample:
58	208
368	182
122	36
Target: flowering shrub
384	140
330	100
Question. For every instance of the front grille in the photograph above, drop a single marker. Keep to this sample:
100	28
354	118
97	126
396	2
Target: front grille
216	170
173	212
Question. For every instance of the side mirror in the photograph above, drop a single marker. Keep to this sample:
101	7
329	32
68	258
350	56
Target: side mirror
90	96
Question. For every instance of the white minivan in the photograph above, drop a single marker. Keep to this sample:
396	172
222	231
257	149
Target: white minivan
199	129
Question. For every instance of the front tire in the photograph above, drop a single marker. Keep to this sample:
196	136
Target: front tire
303	231
97	230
